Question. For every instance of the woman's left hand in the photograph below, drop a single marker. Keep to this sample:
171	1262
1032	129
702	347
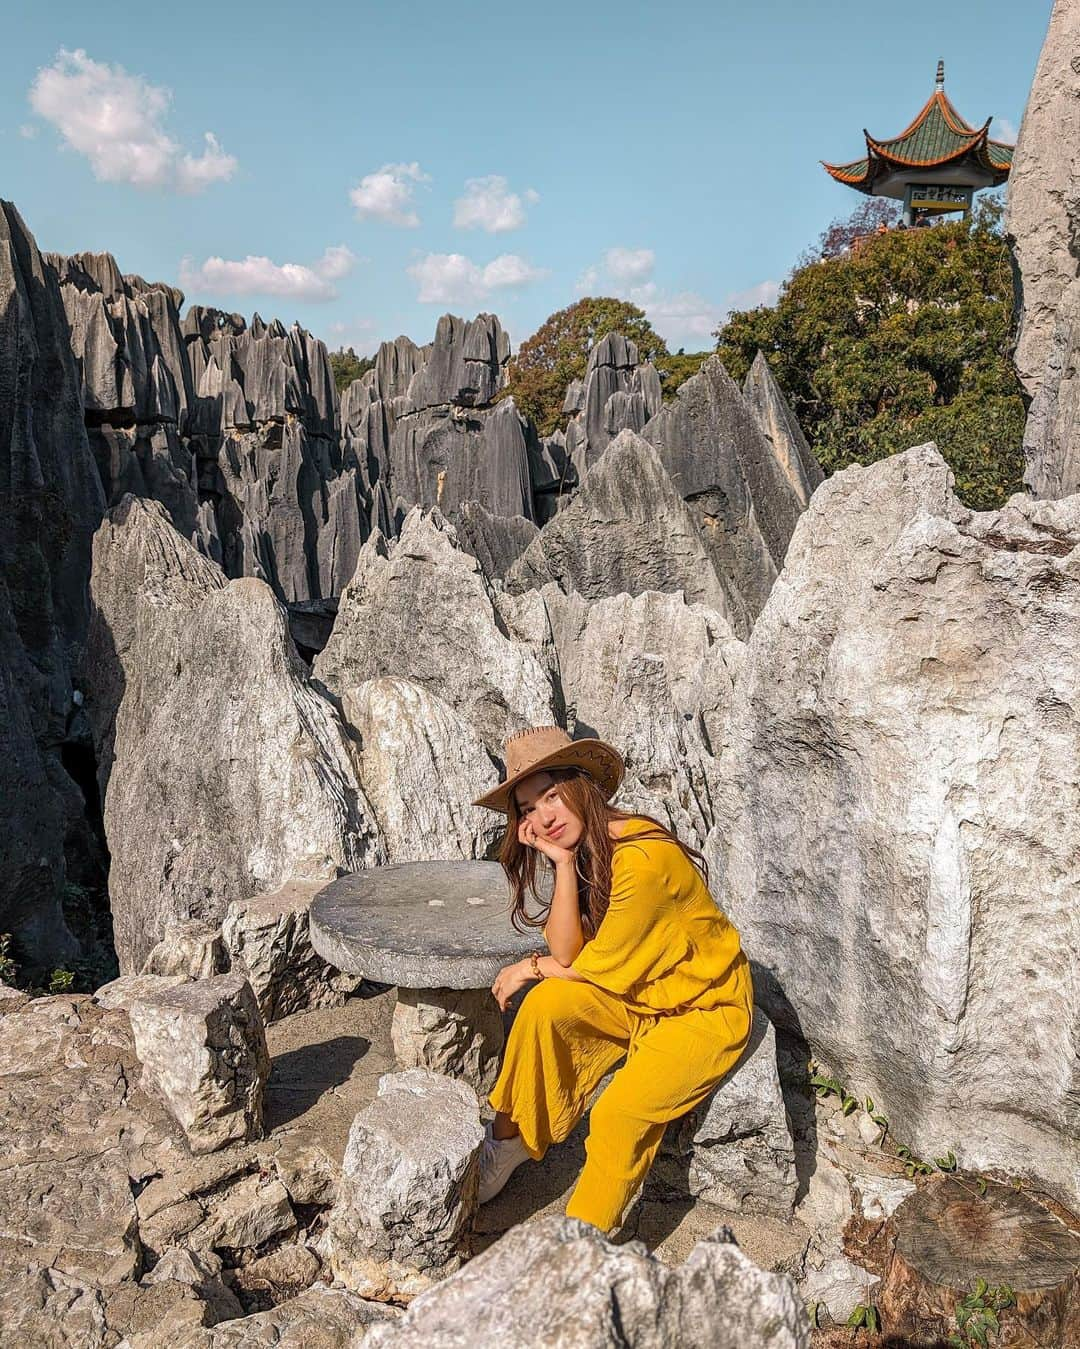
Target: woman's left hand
509	979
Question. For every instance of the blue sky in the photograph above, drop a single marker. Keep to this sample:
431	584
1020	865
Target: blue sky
370	166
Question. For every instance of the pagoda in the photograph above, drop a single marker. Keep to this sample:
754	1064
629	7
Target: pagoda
936	165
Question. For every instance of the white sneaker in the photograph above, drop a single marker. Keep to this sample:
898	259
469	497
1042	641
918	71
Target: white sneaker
499	1158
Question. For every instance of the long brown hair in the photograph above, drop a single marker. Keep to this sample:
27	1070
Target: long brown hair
593	854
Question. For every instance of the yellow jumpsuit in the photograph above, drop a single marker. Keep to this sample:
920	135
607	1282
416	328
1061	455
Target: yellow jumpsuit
669	987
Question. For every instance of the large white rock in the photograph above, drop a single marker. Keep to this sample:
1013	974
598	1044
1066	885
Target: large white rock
230	775
654	676
1041	215
420	608
422	765
899	821
557	1281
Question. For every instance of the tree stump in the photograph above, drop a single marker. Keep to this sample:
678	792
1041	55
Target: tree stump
947	1236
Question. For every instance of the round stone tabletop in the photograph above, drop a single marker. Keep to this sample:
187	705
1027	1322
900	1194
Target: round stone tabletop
420	924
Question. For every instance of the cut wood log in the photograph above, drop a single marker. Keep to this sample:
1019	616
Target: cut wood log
947	1236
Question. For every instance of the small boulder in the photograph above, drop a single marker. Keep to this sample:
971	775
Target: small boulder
193	949
268	939
408	1185
203	1050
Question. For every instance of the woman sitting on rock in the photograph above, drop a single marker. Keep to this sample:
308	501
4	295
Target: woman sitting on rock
642	963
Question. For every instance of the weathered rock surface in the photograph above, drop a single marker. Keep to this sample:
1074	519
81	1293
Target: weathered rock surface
898	810
268	940
420	608
203	1050
193	949
619	393
735	1150
320	1318
557	1281
423	429
735	481
779	425
422	765
454	1031
50	504
119	994
230	774
654	676
74	1129
408	1185
626	529
1041	214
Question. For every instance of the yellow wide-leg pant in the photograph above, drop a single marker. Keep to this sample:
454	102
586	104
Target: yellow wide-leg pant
566	1036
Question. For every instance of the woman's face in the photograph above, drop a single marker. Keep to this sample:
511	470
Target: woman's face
539	802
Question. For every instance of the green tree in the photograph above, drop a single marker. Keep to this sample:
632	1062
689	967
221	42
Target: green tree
902	340
347	366
558	352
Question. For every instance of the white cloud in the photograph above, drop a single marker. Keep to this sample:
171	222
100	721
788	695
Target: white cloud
387	195
619	268
256	275
629	264
452	278
336	262
488	204
1001	129
116	121
28	131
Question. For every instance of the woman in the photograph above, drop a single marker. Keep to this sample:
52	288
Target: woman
641	964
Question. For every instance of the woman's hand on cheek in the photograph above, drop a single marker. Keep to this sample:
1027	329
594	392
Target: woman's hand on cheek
528	837
509	979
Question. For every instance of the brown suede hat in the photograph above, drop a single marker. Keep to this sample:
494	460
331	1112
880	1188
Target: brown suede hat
548	747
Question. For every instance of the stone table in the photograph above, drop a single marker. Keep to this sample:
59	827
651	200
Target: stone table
441	932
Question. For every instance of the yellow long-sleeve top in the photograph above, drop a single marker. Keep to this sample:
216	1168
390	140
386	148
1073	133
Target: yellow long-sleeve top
664	944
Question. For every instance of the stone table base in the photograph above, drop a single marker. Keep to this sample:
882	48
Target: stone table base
454	1031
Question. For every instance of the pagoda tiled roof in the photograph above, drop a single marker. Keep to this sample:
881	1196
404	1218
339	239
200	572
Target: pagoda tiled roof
938	136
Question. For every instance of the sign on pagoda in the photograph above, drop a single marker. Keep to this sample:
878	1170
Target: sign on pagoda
936	165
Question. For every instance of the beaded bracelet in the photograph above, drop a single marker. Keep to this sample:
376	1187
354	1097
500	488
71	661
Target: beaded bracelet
534	960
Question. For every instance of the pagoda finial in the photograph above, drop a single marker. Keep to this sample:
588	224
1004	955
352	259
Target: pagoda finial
940	81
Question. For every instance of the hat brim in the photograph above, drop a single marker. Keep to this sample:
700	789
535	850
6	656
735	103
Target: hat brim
603	763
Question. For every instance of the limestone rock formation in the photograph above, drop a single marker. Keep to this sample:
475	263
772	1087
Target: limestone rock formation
654	676
264	427
1041	218
136	383
203	1051
561	1275
268	940
420	609
229	774
50	504
626	529
780	427
424	429
619	393
192	949
897	828
735	480
408	1185
421	765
